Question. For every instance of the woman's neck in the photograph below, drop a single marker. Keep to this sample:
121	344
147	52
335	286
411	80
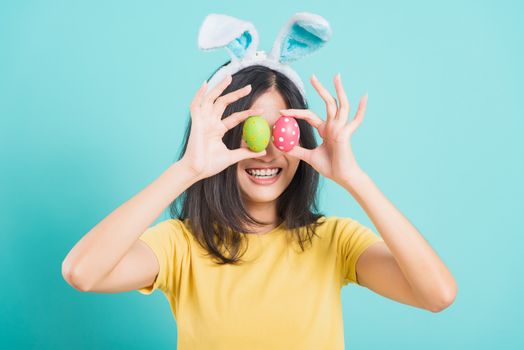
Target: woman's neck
266	212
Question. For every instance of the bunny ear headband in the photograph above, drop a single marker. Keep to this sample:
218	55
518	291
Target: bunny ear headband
303	34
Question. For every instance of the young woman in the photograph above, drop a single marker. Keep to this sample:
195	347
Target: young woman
247	261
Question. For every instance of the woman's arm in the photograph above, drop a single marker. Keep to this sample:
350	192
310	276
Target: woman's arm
406	259
99	251
403	267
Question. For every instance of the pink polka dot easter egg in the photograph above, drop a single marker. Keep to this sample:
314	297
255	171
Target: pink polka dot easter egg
285	133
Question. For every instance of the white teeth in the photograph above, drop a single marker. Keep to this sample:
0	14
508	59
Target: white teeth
263	172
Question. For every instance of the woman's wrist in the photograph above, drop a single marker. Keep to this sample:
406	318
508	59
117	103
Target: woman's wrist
184	172
354	180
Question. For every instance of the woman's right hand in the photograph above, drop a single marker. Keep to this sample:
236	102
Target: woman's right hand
206	154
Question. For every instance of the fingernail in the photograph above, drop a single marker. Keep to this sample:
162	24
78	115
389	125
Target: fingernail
314	77
204	83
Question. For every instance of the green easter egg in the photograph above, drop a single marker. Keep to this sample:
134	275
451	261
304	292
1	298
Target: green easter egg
256	133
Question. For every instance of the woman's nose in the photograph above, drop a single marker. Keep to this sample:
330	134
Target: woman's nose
271	148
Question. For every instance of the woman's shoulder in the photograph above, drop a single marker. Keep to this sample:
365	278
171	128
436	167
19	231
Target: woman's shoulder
331	220
333	224
175	228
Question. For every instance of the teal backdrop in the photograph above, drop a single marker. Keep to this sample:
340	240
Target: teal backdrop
94	97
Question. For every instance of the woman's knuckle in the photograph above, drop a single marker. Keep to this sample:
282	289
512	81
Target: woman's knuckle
220	104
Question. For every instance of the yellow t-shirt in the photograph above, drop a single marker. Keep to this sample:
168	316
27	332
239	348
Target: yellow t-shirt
279	298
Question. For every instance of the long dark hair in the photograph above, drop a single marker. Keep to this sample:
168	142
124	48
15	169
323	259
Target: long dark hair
214	208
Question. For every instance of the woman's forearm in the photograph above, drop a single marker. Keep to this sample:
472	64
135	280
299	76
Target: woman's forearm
429	278
100	249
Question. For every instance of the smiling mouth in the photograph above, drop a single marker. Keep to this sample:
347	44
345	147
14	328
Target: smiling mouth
263	173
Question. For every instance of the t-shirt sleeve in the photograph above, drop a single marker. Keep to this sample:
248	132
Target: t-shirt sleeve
353	239
162	239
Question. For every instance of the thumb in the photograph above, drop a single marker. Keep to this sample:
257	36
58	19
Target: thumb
300	153
244	153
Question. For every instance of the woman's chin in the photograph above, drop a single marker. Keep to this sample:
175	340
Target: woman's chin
260	196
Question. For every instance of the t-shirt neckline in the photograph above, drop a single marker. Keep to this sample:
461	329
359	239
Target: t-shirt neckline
271	232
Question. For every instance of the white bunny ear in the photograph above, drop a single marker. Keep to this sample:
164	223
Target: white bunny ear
239	37
303	34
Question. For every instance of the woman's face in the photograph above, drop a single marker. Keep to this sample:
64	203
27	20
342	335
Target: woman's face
256	176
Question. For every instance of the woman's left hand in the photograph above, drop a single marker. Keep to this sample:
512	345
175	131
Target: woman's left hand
334	158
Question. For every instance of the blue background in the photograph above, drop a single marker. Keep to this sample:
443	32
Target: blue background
94	98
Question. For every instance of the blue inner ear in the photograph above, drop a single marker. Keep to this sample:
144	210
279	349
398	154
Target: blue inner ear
239	46
301	40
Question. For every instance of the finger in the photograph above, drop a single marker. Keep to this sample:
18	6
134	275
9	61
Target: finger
301	153
217	90
306	114
243	153
197	99
331	103
343	111
223	101
359	116
310	117
238	117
